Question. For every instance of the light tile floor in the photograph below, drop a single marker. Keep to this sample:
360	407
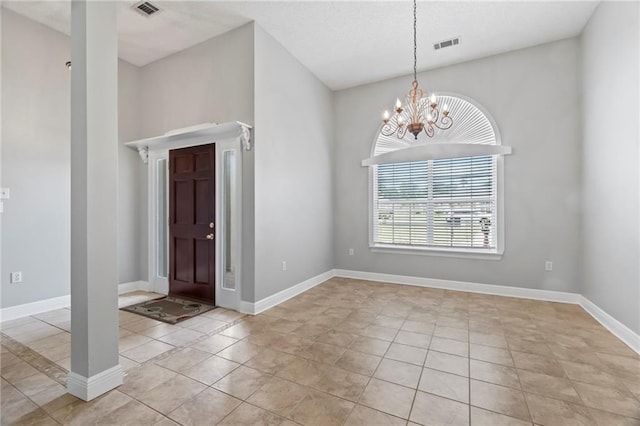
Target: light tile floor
347	352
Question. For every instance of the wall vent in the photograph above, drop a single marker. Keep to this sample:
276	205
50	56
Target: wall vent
146	8
447	43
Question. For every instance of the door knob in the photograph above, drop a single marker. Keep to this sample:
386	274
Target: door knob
210	236
211	225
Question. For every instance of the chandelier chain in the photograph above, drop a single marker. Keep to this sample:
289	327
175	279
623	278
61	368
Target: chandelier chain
420	113
415	43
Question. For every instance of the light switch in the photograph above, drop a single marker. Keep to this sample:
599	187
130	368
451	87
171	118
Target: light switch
4	193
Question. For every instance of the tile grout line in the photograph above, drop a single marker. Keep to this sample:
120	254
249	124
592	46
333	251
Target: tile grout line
211	386
31	400
166	416
187	344
260	387
374	372
469	366
524	396
356	402
422	367
558	360
34	359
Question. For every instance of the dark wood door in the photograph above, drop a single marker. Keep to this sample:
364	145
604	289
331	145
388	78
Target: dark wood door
192	252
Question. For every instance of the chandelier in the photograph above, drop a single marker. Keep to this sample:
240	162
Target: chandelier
420	113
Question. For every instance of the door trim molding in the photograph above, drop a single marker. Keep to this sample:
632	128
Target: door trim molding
234	136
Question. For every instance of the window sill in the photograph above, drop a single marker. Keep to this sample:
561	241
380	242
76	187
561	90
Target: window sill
438	252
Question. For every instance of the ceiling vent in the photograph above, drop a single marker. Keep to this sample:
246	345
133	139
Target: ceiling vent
146	8
447	43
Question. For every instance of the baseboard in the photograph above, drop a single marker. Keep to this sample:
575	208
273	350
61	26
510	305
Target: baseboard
618	329
133	286
284	295
498	290
88	388
621	331
247	308
34	308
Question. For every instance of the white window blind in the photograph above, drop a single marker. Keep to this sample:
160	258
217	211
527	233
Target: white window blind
445	203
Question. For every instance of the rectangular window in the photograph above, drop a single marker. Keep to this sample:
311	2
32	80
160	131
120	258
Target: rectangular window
444	203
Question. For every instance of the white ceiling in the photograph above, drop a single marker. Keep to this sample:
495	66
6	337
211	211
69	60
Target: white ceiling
344	43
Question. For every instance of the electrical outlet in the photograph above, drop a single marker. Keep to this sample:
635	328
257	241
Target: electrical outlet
350	252
16	277
548	265
284	265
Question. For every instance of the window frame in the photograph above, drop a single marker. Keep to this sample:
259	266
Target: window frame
456	252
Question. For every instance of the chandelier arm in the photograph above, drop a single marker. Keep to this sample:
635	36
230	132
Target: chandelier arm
429	130
435	114
445	123
387	130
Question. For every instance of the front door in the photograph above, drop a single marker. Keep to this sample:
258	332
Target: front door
191	223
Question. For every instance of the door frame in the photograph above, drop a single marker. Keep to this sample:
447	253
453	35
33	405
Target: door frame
229	137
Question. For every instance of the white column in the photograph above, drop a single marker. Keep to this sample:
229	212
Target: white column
94	196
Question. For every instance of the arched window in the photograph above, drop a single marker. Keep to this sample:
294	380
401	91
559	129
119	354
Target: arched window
440	194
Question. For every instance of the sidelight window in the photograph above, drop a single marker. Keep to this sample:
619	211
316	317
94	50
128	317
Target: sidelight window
229	220
162	261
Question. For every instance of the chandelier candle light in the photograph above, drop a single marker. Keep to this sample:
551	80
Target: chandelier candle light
420	112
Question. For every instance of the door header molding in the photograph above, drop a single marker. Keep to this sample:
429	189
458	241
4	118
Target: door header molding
194	135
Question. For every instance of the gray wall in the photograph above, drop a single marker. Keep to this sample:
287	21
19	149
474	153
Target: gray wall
131	193
534	96
35	163
35	160
611	254
210	82
293	170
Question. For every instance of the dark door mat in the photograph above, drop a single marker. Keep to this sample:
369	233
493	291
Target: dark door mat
169	309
